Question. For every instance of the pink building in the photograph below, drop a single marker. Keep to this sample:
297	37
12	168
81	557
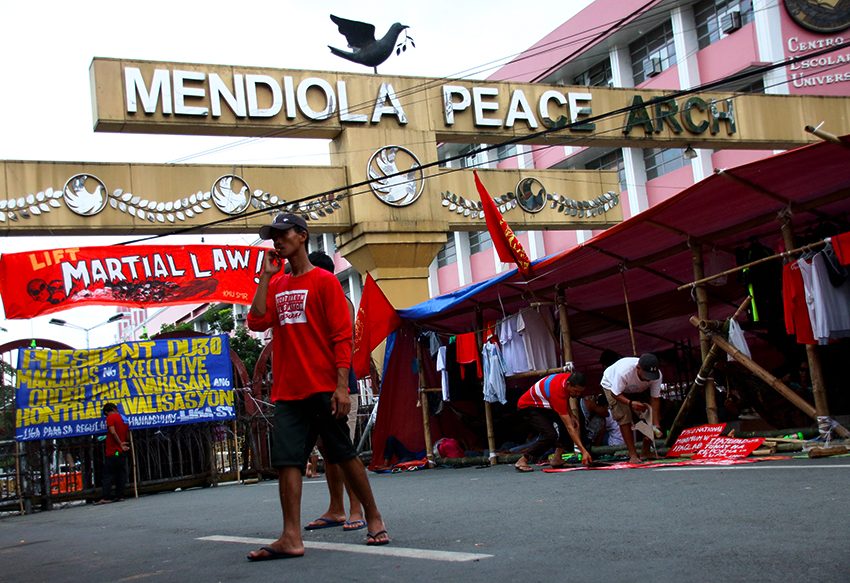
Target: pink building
661	44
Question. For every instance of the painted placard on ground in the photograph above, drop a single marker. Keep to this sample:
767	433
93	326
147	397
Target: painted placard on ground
692	439
728	448
154	383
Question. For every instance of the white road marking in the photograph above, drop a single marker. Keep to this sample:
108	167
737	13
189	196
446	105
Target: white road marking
753	467
387	551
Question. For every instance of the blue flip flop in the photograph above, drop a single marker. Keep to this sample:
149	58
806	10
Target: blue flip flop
324	523
354	525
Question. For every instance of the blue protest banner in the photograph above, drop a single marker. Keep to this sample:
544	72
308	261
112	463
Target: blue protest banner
155	383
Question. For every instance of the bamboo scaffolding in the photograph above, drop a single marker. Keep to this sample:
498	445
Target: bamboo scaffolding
628	312
135	474
704	342
701	379
488	410
732	270
815	370
768	378
423	403
236	452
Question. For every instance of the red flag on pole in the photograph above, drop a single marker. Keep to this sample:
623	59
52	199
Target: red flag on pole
376	319
504	241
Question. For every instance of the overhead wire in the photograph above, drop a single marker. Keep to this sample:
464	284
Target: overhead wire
515	140
519	139
292	130
429	83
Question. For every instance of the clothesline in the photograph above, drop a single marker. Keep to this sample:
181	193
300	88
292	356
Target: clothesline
732	270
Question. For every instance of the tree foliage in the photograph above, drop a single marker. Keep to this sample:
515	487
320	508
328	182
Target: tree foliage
247	347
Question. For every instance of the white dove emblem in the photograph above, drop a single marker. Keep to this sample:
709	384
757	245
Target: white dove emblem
80	200
228	201
390	186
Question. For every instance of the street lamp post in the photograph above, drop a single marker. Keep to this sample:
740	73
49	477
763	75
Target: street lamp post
113	318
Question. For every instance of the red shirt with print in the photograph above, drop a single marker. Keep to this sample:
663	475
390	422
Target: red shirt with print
550	392
113	445
311	339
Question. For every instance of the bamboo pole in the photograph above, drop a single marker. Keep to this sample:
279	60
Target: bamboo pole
732	270
566	343
628	311
423	403
135	474
815	370
236	452
19	483
772	381
488	410
702	376
704	342
535	373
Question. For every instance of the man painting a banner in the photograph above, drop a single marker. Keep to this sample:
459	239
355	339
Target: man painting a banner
61	393
505	241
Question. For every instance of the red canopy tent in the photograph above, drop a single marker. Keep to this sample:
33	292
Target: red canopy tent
649	256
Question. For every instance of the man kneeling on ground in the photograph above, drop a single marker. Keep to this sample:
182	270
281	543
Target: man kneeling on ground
546	409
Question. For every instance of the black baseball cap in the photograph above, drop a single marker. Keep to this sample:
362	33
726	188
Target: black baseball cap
282	222
648	363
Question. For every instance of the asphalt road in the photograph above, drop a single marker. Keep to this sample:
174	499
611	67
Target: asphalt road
771	521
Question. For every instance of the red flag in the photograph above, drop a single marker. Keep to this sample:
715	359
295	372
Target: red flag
376	319
504	241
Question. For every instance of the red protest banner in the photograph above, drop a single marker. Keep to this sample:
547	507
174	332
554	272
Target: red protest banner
728	448
692	439
41	282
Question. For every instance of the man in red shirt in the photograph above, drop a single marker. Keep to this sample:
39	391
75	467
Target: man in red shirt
312	344
115	463
546	409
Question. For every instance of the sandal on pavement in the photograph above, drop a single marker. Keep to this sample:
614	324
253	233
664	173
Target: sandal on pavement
323	522
373	539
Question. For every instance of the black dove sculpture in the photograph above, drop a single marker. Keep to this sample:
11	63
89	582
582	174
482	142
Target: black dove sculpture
361	39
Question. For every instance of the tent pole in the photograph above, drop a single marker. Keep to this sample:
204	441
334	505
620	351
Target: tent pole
566	341
236	452
704	342
628	309
423	403
133	458
702	376
812	355
488	411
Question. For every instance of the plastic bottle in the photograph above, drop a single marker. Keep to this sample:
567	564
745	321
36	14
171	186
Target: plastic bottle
798	435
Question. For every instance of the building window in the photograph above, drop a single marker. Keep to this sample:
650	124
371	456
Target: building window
599	75
716	19
613	160
346	286
448	254
652	53
755	87
505	152
320	244
479	241
659	162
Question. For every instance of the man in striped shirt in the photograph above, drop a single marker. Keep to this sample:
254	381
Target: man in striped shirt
546	409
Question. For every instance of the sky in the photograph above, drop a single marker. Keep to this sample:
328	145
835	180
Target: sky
45	100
